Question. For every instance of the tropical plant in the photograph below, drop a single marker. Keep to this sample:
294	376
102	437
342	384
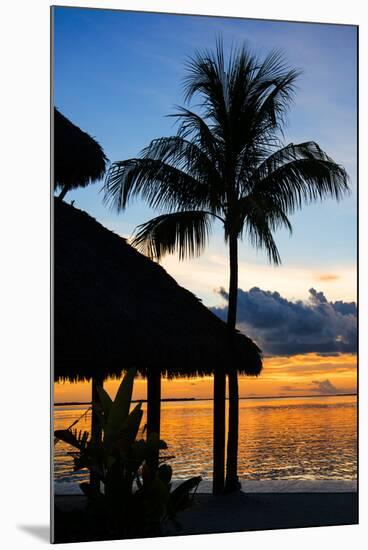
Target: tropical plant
227	163
134	498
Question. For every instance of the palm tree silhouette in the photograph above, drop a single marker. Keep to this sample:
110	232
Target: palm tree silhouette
226	163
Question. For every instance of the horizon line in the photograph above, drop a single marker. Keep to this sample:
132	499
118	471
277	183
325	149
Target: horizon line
250	397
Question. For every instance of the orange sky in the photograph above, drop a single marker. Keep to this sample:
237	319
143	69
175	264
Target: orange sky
309	374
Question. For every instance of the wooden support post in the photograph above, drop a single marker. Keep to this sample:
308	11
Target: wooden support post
63	192
219	393
96	430
154	406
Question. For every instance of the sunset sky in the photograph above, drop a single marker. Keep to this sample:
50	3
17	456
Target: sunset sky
117	74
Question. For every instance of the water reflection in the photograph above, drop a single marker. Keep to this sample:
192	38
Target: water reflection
309	438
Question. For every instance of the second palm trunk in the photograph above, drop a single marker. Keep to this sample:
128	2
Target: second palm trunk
232	482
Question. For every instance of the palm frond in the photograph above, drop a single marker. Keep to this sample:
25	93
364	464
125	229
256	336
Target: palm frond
242	67
245	100
265	102
184	232
194	127
299	174
206	77
274	97
161	185
256	227
262	207
184	155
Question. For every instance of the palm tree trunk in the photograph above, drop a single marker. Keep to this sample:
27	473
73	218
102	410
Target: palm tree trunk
232	482
63	192
154	408
96	430
219	391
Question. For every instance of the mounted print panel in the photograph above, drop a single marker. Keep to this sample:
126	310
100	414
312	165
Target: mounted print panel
204	274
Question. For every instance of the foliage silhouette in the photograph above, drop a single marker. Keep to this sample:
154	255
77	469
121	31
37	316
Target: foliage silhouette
134	499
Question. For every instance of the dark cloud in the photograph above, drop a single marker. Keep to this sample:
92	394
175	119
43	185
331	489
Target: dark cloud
346	308
283	327
329	354
324	387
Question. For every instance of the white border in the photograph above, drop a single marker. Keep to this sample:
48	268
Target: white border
24	286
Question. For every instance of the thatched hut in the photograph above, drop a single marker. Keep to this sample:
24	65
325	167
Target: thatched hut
78	159
115	308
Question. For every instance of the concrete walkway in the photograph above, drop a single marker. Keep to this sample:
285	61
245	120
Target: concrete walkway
262	511
267	486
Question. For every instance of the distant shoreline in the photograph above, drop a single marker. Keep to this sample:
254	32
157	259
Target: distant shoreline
174	399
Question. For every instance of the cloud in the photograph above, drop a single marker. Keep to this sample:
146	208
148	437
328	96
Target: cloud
290	388
284	327
327	277
323	386
328	354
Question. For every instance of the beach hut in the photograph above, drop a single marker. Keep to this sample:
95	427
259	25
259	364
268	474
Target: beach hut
114	308
78	159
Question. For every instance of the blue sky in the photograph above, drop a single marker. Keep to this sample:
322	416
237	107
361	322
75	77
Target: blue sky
117	74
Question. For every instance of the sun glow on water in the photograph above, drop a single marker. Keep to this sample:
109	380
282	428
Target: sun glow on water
293	438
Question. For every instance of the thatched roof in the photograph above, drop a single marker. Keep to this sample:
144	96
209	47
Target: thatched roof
78	158
115	308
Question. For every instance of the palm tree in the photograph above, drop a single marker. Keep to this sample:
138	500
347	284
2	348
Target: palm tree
226	163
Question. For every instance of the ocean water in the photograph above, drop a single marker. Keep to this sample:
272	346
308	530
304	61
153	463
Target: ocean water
313	438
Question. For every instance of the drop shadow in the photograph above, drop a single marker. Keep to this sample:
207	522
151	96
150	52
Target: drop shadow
40	532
